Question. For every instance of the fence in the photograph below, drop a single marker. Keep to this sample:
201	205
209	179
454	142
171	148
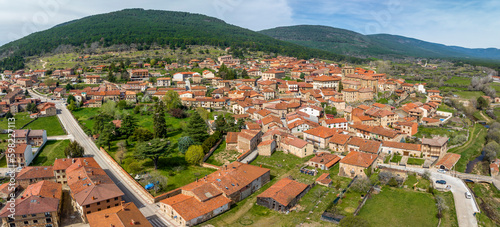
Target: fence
327	216
207	156
364	201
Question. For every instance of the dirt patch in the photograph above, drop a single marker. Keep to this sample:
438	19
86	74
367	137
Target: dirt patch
226	156
69	215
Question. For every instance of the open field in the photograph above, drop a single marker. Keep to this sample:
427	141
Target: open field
53	149
50	124
472	148
443	107
398	207
458	80
469	94
21	119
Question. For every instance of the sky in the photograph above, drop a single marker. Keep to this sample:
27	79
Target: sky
466	23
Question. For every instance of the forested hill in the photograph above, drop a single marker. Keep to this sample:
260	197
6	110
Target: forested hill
350	43
165	28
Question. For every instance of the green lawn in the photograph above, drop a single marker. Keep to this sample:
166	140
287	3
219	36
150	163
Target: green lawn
449	218
495	86
3	162
21	119
458	80
398	207
415	161
396	158
52	150
412	179
50	124
468	94
472	148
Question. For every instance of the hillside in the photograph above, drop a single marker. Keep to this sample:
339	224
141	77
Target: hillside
146	27
347	42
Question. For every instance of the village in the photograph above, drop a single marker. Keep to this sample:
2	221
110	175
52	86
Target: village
302	131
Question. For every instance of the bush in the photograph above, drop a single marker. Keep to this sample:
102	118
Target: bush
194	155
177	113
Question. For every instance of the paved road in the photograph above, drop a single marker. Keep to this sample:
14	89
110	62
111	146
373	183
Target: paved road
465	207
65	137
132	194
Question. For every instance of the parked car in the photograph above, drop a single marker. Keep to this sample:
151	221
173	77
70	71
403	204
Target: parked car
441	182
468	195
442	170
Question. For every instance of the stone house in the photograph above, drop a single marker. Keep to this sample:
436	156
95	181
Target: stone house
248	140
355	163
296	146
33	174
323	161
319	136
283	195
406	149
338	143
267	147
435	147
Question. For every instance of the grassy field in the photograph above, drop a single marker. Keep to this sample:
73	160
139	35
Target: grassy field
49	153
3	162
416	179
21	119
396	158
469	94
495	86
458	80
472	148
443	107
398	207
488	198
50	124
449	218
430	132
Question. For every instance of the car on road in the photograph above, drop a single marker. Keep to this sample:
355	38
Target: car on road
442	170
440	182
468	195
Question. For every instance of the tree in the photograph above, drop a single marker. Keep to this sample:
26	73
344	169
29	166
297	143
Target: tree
49	82
111	76
159	122
70	98
172	100
142	134
203	113
302	76
208	144
158	180
361	185
31	107
197	128
184	143
68	87
26	93
9	115
99	121
109	108
341	86
221	124
244	74
331	110
491	150
194	155
72	105
122	104
153	149
107	135
482	103
74	150
128	126
353	221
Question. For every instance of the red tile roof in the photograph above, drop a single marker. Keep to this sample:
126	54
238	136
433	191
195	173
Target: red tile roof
359	159
448	160
322	132
284	191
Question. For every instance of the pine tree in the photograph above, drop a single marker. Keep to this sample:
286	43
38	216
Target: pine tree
341	87
160	124
197	128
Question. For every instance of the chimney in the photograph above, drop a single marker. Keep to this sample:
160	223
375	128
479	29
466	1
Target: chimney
106	215
123	204
132	222
93	198
72	160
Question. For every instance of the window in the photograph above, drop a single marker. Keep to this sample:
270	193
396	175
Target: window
24	216
116	198
88	212
87	206
107	201
109	207
98	203
35	221
26	222
116	205
99	209
33	215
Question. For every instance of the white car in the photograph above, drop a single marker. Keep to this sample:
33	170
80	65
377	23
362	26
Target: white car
468	195
442	170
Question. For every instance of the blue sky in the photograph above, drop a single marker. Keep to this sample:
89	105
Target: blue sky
472	24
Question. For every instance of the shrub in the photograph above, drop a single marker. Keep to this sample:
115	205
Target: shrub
177	113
